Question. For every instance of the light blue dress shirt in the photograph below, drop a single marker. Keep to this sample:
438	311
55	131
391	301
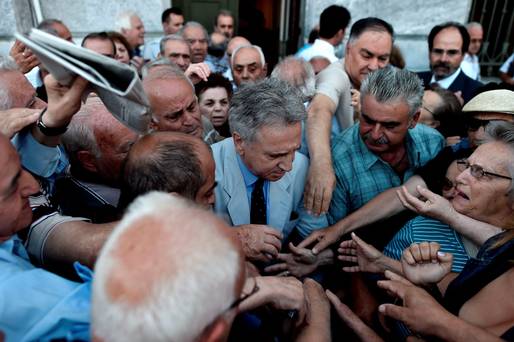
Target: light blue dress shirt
250	179
38	305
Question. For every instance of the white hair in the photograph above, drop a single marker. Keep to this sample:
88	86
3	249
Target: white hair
195	271
256	47
298	73
6	65
123	20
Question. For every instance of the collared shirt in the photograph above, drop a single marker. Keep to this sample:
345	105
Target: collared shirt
470	66
508	65
320	48
361	174
152	49
37	305
446	82
250	179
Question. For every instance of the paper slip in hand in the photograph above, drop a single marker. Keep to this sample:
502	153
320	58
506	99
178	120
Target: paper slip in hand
117	84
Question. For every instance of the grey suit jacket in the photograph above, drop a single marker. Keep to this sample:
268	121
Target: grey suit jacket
286	194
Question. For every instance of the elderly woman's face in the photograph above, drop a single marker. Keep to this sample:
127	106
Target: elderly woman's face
485	197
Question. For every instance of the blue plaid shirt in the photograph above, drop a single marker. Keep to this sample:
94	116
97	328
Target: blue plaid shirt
361	175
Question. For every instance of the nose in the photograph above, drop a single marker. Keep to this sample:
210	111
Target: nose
286	164
246	74
376	132
373	64
29	186
181	62
445	57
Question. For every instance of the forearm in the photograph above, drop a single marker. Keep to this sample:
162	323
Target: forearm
476	231
381	207
76	241
454	329
319	123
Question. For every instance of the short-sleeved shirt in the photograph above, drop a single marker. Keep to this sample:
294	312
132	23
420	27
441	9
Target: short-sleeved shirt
334	82
320	48
422	229
361	175
508	66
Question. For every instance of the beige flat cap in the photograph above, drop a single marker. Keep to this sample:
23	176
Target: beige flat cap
492	101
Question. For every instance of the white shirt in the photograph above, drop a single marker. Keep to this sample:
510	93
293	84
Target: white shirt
446	82
505	66
470	66
320	48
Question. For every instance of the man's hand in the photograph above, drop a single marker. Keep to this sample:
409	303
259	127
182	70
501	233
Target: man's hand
424	264
317	322
420	312
360	328
63	101
356	103
320	184
259	242
14	120
23	57
323	239
434	206
198	72
367	257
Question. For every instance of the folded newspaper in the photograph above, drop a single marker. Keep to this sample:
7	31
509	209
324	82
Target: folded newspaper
117	84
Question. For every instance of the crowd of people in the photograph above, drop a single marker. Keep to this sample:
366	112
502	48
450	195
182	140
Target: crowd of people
329	198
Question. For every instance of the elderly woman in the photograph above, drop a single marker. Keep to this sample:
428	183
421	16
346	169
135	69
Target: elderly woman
214	99
483	193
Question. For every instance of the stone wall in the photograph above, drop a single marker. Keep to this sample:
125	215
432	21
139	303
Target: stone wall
411	19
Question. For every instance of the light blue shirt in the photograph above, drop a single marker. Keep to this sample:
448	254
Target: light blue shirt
250	179
38	305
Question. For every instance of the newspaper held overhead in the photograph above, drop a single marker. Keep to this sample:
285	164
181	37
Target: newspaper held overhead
117	84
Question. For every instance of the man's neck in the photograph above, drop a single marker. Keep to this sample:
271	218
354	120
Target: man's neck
397	158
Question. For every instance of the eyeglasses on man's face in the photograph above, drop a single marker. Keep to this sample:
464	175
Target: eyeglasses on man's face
477	171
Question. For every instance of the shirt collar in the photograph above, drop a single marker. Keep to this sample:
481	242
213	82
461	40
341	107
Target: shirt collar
319	43
446	82
248	177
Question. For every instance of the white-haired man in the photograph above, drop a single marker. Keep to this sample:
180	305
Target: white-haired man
248	64
132	28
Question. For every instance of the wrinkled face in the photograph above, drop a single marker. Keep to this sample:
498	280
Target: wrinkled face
197	40
383	126
476	35
122	55
178	52
247	66
101	46
371	51
225	25
22	93
450	186
446	54
174	106
136	34
16	185
486	198
173	24
271	154
431	100
205	195
214	105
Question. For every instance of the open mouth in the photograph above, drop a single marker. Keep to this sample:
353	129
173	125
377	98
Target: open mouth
463	195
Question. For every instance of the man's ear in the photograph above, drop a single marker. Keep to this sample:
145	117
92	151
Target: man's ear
238	143
414	120
87	161
265	70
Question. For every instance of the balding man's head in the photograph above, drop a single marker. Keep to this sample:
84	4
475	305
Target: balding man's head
248	64
162	264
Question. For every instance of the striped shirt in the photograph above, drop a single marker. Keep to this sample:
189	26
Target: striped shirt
422	229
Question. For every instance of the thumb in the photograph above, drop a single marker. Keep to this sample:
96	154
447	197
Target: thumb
394	311
444	257
429	195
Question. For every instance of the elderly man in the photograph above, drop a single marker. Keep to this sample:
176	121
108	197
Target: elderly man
96	143
131	27
260	175
248	64
224	23
41	305
100	43
233	44
447	44
198	39
368	49
174	104
177	50
332	26
172	20
470	64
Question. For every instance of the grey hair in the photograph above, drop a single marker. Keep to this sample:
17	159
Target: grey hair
7	64
503	131
298	73
175	37
256	47
194	24
147	68
123	20
264	103
473	24
391	84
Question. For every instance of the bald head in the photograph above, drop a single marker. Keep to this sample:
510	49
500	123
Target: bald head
234	43
298	73
143	281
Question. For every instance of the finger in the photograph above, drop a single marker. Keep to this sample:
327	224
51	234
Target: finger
347	251
348	258
424	249
309	239
415	251
359	242
276	268
351	269
308	196
323	243
26	119
412	200
395	287
434	248
271	250
394	311
396	277
318	202
405	203
298	250
444	257
273	240
347	244
326	199
429	195
407	257
271	231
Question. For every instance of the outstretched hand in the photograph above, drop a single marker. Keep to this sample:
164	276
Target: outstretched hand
366	257
424	263
434	205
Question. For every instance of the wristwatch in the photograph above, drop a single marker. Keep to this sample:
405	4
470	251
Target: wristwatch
49	131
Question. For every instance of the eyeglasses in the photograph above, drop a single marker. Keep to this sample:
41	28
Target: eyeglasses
477	171
475	124
428	110
244	297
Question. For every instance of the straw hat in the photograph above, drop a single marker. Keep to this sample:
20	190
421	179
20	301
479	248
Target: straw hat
492	101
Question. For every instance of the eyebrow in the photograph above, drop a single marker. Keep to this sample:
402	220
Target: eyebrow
380	122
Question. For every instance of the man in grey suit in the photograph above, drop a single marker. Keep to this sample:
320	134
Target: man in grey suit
259	172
